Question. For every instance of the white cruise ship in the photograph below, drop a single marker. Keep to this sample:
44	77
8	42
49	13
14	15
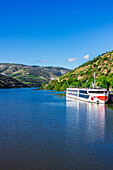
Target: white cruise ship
93	95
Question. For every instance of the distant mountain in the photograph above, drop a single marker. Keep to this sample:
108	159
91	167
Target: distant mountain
8	82
31	75
83	76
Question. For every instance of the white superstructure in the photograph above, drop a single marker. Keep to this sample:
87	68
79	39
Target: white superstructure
94	95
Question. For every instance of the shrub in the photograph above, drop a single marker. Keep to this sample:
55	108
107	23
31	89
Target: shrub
111	84
108	71
99	68
105	58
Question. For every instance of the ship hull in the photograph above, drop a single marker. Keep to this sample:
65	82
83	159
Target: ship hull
88	95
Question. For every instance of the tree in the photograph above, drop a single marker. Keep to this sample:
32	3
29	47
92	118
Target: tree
105	84
111	84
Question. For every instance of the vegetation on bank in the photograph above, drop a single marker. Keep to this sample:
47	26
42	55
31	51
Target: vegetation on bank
8	82
83	76
31	75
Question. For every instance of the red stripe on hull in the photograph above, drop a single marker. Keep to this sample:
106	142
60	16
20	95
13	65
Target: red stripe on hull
104	98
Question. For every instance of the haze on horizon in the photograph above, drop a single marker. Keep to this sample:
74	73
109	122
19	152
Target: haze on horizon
54	33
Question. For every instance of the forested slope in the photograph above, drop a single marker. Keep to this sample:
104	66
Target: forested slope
83	76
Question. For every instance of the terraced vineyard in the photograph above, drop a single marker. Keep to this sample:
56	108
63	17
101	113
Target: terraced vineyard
31	75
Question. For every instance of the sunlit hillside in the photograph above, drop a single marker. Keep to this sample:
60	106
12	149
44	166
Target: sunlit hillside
83	76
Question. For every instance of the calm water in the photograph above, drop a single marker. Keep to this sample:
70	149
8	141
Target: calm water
43	131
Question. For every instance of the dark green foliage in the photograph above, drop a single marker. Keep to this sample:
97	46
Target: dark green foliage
8	82
94	65
62	85
105	68
81	73
105	58
111	84
42	85
99	68
108	71
105	84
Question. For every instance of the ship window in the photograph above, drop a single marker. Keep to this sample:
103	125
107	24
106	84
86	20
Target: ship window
73	91
99	92
83	91
74	94
84	96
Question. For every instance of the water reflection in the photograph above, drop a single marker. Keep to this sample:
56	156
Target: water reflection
88	118
90	107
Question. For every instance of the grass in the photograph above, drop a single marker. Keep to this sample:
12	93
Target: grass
17	72
32	76
26	82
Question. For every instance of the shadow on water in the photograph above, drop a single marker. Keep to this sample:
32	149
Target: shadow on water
109	106
60	95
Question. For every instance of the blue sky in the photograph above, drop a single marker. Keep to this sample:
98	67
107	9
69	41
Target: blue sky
55	32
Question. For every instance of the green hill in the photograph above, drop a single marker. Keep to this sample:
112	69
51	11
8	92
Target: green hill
8	82
83	76
31	75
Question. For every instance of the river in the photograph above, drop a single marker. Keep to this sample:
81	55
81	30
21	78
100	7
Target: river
40	130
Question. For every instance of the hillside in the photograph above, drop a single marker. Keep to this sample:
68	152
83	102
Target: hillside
8	82
83	76
31	75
